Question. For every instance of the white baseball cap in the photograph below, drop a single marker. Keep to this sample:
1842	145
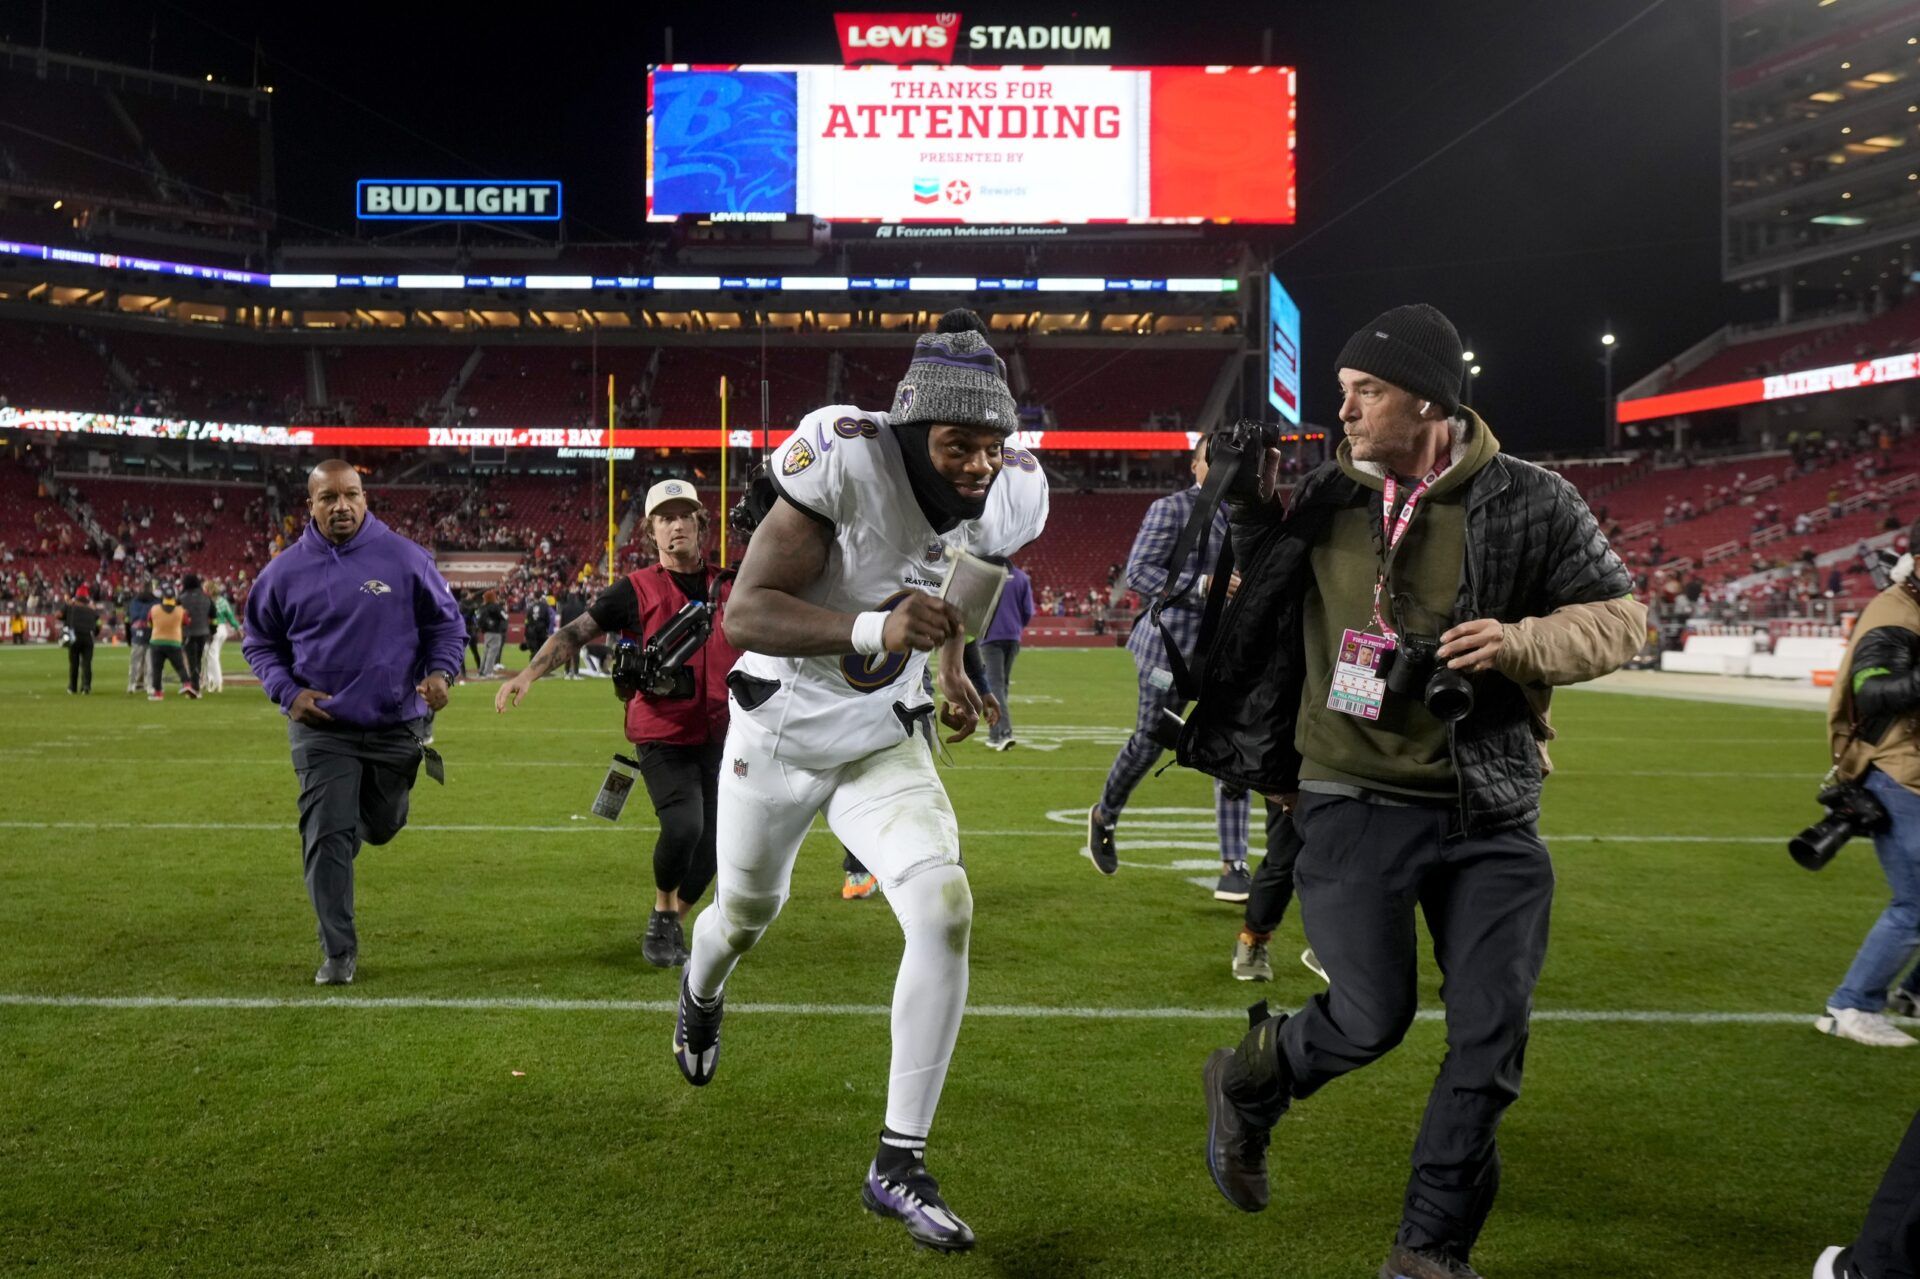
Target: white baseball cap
670	491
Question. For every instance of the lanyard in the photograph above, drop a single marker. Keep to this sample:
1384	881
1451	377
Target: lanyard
1394	530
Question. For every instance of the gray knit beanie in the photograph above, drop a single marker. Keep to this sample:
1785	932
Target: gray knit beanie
956	379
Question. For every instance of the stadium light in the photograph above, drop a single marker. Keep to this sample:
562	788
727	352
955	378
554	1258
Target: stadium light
1606	339
1466	357
1474	371
1610	425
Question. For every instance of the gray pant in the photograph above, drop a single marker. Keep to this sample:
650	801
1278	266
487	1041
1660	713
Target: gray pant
354	788
1363	871
491	642
999	657
137	672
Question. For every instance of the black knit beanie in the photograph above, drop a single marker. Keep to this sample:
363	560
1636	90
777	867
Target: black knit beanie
1414	347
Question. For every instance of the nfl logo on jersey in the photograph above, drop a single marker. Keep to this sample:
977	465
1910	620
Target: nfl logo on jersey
739	767
934	552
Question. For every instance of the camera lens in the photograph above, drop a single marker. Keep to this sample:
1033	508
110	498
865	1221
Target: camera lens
1449	695
1815	846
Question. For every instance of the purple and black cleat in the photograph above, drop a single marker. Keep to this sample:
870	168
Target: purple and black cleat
914	1201
696	1035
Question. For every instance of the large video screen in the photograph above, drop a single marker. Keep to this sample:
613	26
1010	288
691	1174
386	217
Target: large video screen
972	144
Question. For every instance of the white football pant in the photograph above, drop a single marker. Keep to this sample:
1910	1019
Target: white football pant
890	809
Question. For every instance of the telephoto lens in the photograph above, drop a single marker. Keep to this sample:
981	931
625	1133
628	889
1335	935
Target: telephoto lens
1449	695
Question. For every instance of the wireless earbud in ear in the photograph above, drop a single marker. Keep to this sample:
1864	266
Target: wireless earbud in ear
1424	406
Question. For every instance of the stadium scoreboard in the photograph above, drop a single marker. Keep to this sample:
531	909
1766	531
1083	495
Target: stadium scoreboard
960	144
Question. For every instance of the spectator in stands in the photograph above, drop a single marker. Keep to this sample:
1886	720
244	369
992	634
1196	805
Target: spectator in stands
1873	742
225	625
199	624
80	621
1000	646
139	631
678	740
355	637
1148	573
1399	810
492	621
167	624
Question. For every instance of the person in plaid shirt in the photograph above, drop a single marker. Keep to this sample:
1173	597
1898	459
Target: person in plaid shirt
1147	574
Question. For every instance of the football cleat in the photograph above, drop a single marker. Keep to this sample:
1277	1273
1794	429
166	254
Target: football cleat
914	1201
858	887
1100	846
696	1035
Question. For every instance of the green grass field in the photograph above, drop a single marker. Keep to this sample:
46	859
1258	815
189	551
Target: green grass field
534	1123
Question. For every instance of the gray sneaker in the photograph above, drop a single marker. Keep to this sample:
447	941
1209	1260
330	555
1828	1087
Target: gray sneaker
1904	1003
337	970
1234	886
1250	962
1425	1263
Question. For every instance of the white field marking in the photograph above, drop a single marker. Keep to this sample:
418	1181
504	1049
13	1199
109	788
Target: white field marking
965	832
1029	1012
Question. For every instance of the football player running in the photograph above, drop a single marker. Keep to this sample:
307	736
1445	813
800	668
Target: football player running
835	611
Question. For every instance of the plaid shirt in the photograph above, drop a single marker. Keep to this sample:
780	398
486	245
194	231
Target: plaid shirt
1147	574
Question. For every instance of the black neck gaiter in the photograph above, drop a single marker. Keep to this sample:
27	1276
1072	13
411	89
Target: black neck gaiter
938	500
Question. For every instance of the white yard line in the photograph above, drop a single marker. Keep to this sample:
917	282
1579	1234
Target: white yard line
585	825
1023	1012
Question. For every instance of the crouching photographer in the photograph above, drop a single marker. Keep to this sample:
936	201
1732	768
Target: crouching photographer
1874	789
670	666
1385	668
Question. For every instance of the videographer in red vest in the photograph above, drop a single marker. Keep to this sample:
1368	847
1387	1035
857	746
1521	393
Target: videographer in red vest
678	734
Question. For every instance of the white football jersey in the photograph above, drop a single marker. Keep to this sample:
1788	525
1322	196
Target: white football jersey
843	466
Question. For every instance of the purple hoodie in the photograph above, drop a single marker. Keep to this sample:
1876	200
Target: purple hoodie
364	621
1015	611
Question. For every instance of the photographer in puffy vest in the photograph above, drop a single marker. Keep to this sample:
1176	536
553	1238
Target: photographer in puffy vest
1871	722
678	740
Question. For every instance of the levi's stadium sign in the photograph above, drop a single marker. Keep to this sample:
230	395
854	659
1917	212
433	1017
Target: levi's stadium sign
932	37
1778	386
456	200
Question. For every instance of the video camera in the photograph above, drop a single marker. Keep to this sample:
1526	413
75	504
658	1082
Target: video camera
658	668
1851	810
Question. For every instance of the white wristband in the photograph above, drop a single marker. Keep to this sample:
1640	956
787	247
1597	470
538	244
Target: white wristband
869	634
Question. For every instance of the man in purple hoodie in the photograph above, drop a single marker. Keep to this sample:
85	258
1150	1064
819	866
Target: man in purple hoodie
356	637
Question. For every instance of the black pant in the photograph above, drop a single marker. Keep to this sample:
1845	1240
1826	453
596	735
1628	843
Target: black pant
196	652
1889	1242
355	787
164	655
80	667
1363	871
473	646
684	784
1273	881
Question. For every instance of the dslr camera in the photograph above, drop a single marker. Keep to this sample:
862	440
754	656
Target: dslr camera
1851	810
658	668
1415	671
1245	445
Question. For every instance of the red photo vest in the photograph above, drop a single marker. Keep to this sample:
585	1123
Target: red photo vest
687	721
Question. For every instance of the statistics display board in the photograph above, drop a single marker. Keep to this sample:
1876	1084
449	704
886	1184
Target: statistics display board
972	144
1283	351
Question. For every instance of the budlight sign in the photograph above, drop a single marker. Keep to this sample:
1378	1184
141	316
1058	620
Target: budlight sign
456	200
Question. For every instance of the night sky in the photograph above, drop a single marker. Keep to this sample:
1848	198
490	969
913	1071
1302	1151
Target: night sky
1594	200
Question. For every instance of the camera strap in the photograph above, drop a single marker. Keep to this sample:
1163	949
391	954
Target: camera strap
1219	477
1393	530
